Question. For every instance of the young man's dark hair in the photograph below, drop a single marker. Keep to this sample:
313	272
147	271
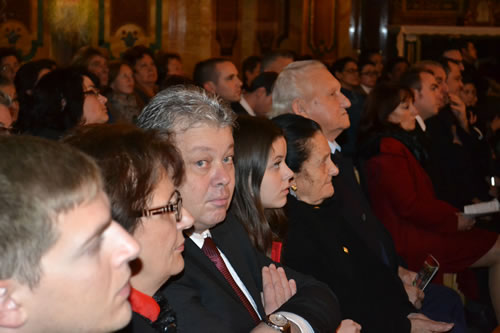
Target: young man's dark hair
205	71
265	80
64	263
339	64
270	58
249	65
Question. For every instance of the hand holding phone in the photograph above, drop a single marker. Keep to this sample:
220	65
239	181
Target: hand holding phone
427	272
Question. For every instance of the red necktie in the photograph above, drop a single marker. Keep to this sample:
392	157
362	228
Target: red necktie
213	254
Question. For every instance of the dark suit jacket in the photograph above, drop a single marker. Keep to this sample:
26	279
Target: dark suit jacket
205	302
321	243
457	171
138	324
347	139
357	212
238	109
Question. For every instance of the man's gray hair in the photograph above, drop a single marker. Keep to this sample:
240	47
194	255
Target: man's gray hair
292	83
179	108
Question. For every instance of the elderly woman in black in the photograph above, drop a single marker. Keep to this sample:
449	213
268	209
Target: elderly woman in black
142	172
321	243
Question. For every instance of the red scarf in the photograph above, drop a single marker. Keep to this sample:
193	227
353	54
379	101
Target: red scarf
144	305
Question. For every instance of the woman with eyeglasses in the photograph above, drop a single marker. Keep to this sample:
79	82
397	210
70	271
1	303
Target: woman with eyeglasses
62	100
142	171
368	76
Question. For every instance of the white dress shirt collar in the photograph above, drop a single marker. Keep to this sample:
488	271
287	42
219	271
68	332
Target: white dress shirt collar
246	106
421	123
334	146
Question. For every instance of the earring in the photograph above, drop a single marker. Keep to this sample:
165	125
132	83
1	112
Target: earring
294	187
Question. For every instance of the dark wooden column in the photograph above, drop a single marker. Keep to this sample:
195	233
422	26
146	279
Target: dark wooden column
374	24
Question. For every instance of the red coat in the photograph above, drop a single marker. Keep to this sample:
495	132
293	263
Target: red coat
403	198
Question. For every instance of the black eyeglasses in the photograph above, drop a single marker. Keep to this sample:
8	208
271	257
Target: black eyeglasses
168	208
92	92
352	71
369	73
456	62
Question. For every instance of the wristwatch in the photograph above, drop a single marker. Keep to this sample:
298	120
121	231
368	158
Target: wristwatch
278	322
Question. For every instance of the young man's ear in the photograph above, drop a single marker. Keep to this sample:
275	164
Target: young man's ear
12	314
209	86
298	107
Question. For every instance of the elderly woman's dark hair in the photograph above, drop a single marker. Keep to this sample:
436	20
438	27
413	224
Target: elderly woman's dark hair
381	102
131	161
253	140
134	54
298	131
56	103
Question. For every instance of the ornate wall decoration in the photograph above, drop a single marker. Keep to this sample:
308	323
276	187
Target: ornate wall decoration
273	20
482	12
122	25
321	28
21	26
425	12
432	5
227	25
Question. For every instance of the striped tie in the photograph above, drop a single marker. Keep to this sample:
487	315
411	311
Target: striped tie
213	254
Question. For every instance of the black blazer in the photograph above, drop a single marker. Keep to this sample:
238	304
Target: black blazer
205	302
321	243
138	324
356	210
238	108
457	172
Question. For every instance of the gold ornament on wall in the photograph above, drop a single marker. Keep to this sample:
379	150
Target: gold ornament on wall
69	19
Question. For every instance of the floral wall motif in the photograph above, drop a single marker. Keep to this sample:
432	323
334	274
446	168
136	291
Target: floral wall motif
197	29
122	25
21	26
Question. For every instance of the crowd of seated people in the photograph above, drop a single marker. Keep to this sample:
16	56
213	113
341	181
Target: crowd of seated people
191	211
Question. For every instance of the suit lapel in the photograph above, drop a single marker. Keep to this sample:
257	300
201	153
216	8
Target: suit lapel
242	257
198	258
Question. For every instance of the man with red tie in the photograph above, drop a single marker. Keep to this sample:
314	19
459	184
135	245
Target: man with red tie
220	289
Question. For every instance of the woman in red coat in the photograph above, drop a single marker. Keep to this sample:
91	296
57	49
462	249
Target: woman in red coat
403	198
